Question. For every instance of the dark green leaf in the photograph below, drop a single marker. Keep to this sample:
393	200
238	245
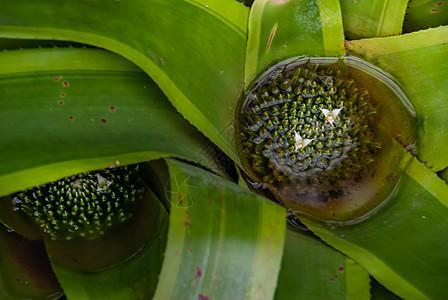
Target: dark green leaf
224	242
170	40
66	111
312	270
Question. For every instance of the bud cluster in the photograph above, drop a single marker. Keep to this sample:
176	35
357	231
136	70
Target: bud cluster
84	205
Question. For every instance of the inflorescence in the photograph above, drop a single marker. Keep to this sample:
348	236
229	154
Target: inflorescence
84	205
306	122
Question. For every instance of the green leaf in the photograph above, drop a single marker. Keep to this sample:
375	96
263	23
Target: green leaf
283	29
66	111
170	40
25	271
135	278
404	244
423	14
372	18
418	62
224	242
379	292
312	270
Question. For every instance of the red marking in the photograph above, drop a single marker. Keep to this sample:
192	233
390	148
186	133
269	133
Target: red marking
66	84
198	273
438	3
189	250
103	120
177	253
112	109
149	117
203	297
341	269
71	117
331	278
435	10
57	78
271	37
62	95
61	102
336	276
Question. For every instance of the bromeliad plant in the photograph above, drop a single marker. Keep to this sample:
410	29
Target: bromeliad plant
333	112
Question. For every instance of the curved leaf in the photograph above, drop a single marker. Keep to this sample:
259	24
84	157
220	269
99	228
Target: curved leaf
418	63
170	40
211	252
25	271
312	270
135	278
66	111
404	244
423	14
372	18
282	29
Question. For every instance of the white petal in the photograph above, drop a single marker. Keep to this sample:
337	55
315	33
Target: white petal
306	142
335	112
326	112
297	137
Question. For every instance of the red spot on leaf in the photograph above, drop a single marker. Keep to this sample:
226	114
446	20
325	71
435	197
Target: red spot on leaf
66	84
189	250
438	3
149	117
62	95
341	268
187	221
203	297
103	120
112	109
435	10
57	78
61	102
71	117
198	273
336	276
331	278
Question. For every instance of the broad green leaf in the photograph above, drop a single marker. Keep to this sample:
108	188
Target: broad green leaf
418	62
136	277
224	242
423	14
25	271
404	245
66	111
193	49
372	18
280	30
312	270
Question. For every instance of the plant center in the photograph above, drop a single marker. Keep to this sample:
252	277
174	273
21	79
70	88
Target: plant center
319	142
304	121
84	205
